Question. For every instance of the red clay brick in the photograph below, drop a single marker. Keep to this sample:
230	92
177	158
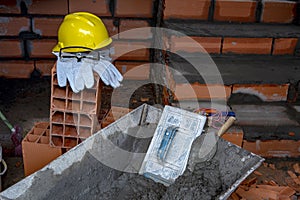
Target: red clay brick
266	92
134	8
239	11
273	148
100	7
37	152
110	27
42	48
284	46
46	26
201	91
247	45
278	11
48	7
188	9
132	24
134	70
234	135
10	48
45	66
9	6
186	44
16	69
12	26
287	191
125	50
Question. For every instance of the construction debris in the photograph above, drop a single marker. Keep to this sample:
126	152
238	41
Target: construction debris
258	185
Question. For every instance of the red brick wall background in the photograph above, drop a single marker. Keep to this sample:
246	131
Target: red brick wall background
28	29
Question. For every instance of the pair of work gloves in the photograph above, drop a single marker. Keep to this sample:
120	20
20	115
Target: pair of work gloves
79	72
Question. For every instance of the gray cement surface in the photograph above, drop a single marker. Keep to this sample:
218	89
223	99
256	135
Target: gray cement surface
88	178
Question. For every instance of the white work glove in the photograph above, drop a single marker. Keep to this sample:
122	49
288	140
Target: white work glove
105	69
85	76
108	73
67	70
80	74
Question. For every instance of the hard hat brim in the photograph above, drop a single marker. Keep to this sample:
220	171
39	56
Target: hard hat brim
103	44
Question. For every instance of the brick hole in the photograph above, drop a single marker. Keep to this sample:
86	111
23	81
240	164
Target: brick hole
71	130
73	105
71	118
85	120
44	140
84	132
59	103
70	142
57	129
56	141
58	117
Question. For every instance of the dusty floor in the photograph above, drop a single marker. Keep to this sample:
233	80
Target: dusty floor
25	102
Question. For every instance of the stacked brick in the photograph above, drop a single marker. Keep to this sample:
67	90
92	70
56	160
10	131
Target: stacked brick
73	116
36	149
233	28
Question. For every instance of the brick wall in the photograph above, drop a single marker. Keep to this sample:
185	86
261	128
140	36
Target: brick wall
28	30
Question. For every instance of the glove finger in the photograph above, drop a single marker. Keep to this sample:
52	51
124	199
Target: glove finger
105	79
79	82
61	76
72	71
113	81
72	85
116	72
101	73
87	74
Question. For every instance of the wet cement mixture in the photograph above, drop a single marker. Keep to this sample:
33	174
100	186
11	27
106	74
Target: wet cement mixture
90	179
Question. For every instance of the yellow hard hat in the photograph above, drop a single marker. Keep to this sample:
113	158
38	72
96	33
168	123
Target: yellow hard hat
81	29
